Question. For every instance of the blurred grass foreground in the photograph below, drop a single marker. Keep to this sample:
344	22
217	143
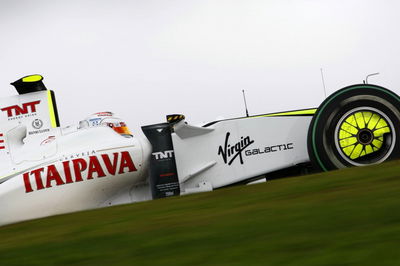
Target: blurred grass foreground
346	217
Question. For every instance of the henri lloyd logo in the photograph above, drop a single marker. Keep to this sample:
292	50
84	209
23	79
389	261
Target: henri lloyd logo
232	151
16	110
37	124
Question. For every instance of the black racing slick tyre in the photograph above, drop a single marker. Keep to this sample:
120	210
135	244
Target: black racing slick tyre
357	125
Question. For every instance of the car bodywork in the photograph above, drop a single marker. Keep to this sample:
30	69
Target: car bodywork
47	169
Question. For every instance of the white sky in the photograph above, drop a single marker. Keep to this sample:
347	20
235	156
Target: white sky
145	59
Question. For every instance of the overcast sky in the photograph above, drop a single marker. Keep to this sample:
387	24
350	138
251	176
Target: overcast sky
145	59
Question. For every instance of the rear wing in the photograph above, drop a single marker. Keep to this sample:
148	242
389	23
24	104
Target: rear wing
31	115
34	107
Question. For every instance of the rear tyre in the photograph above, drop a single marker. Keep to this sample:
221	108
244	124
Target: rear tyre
357	125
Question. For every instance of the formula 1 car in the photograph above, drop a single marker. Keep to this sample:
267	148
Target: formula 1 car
46	169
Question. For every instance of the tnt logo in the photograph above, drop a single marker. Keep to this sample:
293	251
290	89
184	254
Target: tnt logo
18	110
163	155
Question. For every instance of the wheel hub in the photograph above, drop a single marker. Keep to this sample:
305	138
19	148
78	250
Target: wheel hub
362	132
365	136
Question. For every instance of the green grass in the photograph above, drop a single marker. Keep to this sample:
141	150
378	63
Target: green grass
347	217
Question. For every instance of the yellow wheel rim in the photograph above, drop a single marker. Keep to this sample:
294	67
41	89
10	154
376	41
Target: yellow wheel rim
362	133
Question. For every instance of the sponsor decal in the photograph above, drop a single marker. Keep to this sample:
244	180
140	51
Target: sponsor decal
77	155
229	152
163	154
48	140
115	124
2	147
37	124
16	111
39	131
167	174
104	114
95	121
268	149
78	170
169	193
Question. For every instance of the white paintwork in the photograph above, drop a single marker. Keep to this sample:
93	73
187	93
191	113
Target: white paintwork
197	156
200	167
18	130
16	204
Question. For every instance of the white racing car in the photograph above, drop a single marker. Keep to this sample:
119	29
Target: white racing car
47	170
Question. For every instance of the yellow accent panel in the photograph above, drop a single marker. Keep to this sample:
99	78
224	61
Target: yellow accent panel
343	134
381	123
351	120
373	121
357	151
348	150
299	112
377	144
349	128
32	78
5	176
369	149
348	142
367	116
381	131
51	110
360	120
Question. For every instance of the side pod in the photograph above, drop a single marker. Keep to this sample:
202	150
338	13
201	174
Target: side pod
164	180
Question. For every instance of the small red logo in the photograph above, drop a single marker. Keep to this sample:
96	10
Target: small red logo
2	147
18	110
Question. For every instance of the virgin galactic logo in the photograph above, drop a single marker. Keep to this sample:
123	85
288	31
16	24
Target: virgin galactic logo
229	152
